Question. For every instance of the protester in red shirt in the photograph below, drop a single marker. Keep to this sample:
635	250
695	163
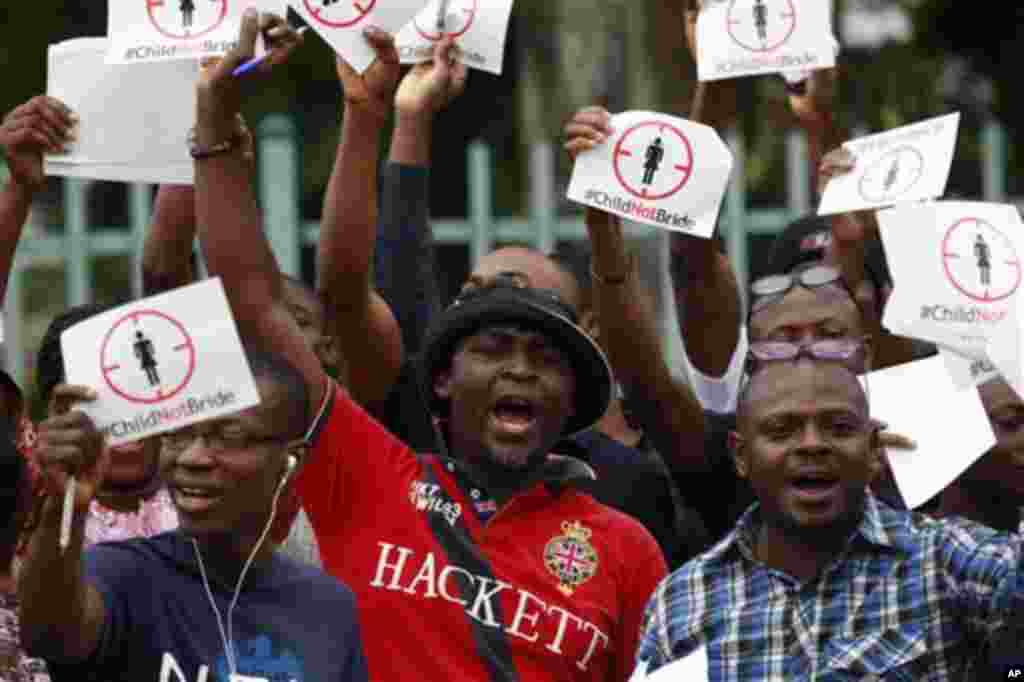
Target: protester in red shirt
482	562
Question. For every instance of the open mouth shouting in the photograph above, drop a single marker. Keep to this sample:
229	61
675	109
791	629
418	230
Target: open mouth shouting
514	416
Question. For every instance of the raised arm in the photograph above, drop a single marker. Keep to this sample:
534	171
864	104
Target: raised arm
628	326
404	266
167	250
706	292
362	322
230	230
43	124
61	614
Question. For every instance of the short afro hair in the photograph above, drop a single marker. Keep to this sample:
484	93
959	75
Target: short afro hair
50	362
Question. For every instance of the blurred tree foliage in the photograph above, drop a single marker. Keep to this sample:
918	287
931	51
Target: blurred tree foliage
892	85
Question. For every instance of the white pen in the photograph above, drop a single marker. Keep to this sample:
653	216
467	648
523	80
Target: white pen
68	512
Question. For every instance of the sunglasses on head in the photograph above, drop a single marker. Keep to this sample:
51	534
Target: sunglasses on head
771	289
828	350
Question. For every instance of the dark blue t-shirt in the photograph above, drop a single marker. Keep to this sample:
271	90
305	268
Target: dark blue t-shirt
292	623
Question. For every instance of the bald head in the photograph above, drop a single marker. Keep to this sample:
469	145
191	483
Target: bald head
802	384
529	268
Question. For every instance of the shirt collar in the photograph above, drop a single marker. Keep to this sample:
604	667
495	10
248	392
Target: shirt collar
559	472
880	526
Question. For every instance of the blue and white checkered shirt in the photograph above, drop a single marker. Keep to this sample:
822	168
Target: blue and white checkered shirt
909	598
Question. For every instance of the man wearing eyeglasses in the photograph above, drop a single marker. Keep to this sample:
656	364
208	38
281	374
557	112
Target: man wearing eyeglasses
820	580
212	600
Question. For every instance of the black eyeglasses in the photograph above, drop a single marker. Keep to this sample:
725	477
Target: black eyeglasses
771	289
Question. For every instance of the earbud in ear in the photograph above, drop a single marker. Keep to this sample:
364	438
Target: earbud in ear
290	464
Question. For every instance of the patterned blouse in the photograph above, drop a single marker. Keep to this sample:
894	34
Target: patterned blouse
14	665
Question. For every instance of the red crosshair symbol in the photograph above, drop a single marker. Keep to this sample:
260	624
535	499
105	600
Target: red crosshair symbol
434	36
949	254
622	150
362	9
187	35
109	368
788	15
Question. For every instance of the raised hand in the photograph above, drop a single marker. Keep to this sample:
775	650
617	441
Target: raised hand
431	86
70	445
589	128
43	124
219	92
812	102
372	91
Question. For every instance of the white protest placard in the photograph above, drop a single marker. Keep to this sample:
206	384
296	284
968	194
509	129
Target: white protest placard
160	363
751	37
143	31
968	371
691	668
129	118
167	174
341	23
951	434
479	28
658	170
910	163
957	273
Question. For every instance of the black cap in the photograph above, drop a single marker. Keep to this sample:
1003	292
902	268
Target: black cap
805	240
539	310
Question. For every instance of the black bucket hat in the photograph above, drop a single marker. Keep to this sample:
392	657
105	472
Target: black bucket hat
536	309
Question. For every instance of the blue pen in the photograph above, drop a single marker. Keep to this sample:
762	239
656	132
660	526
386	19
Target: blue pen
256	61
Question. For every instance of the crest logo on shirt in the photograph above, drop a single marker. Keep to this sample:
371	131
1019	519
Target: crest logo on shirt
570	557
429	497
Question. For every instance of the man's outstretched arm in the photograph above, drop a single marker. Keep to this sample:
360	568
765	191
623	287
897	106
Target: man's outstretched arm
43	124
668	409
359	318
404	266
230	229
706	291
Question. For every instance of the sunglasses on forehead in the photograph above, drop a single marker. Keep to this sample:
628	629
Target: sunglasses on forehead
763	353
828	350
771	289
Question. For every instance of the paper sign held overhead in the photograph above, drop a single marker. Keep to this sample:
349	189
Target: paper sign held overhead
905	164
341	23
161	30
968	371
160	363
658	170
951	434
133	121
479	28
751	37
957	273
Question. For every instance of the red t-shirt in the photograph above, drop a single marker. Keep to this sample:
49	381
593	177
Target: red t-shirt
553	586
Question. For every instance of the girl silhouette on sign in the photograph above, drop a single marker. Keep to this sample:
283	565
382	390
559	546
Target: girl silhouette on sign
652	160
761	19
983	252
188	8
146	355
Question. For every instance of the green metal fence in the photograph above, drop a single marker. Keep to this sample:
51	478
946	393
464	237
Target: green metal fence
279	176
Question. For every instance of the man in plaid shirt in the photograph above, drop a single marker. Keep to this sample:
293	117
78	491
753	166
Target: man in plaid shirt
819	580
